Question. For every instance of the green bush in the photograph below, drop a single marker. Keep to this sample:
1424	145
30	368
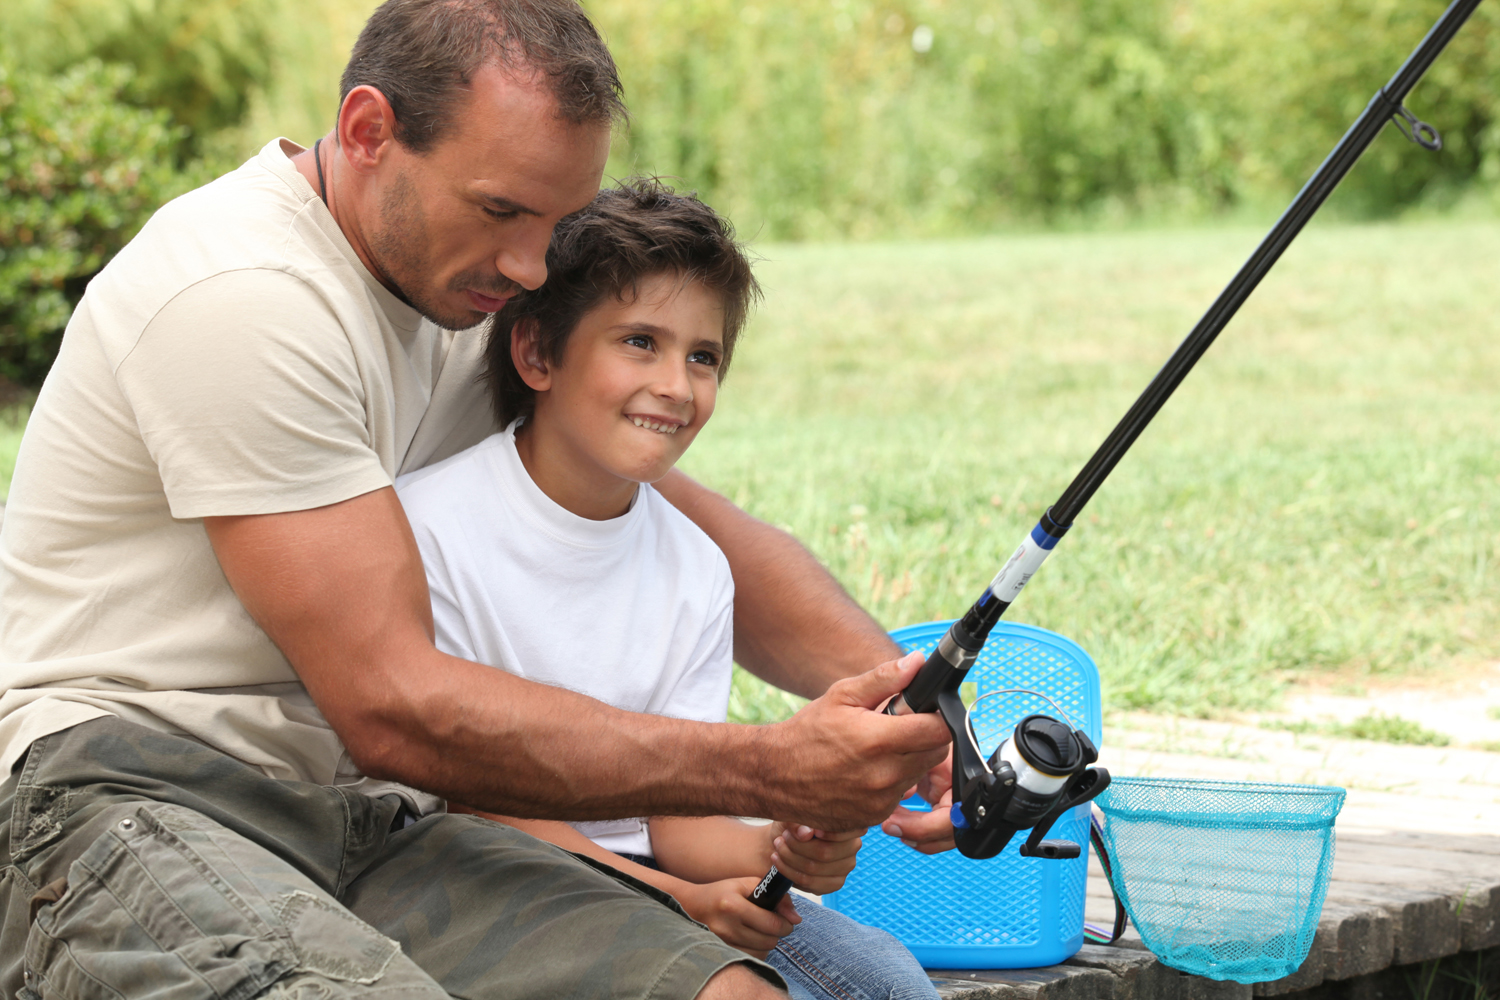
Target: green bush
204	61
871	118
80	172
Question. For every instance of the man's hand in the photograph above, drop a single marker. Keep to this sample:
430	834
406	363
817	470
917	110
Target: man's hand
850	761
815	860
725	908
928	832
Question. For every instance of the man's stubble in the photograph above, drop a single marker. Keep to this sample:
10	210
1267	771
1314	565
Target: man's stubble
401	252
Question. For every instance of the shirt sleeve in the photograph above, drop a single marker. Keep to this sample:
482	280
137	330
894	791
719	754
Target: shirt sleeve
448	620
702	690
249	399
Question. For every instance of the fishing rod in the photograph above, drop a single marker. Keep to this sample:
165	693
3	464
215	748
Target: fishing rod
1044	769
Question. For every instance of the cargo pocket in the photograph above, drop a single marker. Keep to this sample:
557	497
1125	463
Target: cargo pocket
168	901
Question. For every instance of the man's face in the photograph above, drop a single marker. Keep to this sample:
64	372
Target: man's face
464	226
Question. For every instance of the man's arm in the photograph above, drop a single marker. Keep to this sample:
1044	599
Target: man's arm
794	626
341	591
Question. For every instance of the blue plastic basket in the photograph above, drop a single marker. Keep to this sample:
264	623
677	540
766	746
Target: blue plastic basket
1222	879
1008	912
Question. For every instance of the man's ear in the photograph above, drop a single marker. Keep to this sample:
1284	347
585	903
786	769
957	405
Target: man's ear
526	355
366	128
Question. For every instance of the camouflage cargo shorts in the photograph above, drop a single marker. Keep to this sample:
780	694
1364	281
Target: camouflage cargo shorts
138	862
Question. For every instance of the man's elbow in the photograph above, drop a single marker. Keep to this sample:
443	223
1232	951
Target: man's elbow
385	730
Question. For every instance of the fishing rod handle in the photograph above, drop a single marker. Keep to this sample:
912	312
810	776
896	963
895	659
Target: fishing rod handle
770	890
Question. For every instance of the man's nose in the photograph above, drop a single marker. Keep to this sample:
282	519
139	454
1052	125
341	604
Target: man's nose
525	262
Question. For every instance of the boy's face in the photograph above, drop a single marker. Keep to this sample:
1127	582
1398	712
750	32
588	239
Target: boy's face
637	380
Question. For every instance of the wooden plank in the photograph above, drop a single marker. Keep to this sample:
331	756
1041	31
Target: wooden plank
1139	976
1394	901
1057	982
1425	924
1459	843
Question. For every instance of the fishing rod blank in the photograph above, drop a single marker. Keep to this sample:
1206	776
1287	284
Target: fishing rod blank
945	669
1386	106
978	825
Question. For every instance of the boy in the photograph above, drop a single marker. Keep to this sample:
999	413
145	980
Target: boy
549	554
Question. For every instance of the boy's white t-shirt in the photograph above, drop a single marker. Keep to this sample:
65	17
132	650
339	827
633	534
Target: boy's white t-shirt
637	611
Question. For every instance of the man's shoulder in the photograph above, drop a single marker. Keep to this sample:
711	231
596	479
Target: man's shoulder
251	219
243	218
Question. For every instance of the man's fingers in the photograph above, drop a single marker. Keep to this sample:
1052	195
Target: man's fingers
874	687
938	781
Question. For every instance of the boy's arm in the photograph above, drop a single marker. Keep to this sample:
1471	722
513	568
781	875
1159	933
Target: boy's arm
707	848
794	626
723	905
569	839
702	849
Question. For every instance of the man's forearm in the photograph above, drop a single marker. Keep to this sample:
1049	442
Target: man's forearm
340	589
498	743
794	626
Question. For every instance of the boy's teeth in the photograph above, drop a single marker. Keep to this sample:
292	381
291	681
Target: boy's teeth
653	425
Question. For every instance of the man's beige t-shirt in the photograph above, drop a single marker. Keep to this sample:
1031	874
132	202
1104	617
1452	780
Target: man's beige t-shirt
235	358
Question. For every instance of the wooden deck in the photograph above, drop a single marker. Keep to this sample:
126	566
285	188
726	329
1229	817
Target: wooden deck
1416	875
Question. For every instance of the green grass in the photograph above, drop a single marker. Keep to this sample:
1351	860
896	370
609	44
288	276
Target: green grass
1375	726
1318	498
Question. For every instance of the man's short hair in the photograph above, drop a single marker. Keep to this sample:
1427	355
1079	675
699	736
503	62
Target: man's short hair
422	55
628	233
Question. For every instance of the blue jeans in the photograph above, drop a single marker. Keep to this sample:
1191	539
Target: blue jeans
830	957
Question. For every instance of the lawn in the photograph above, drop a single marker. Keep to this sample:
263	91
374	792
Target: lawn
1319	498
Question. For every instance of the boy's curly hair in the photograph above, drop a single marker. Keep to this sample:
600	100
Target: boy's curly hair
628	233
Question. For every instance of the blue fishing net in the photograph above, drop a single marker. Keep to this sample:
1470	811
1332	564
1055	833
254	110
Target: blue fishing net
1222	879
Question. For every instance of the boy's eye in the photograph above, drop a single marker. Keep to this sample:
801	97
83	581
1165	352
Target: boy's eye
639	340
708	358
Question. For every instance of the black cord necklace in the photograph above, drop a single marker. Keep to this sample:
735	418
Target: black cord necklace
318	160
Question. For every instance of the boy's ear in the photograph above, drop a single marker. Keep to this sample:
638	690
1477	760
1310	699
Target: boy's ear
526	355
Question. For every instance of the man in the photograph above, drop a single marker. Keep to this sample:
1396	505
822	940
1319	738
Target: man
223	706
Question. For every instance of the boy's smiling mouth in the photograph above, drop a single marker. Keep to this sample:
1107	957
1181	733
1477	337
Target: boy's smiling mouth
659	425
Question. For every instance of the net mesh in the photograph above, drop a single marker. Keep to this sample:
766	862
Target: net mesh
1222	879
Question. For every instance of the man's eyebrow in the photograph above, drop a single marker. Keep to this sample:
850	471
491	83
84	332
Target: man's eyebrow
499	203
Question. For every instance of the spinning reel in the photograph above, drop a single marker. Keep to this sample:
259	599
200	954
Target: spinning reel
1034	776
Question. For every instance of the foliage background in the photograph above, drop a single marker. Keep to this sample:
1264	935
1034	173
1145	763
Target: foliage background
802	119
1211	575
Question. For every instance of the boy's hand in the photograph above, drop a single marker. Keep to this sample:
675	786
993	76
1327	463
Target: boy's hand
815	860
725	908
